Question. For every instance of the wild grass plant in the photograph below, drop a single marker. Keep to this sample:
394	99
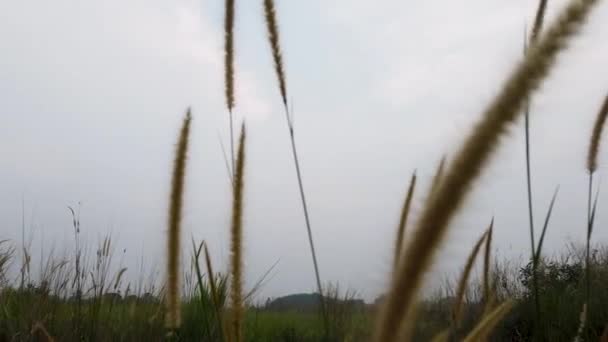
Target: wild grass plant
85	296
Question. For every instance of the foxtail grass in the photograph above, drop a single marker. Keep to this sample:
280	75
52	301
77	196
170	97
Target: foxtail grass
175	215
470	162
596	136
591	221
236	243
403	220
273	38
229	70
464	278
272	28
592	156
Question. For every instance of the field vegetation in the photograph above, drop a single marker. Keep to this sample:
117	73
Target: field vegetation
85	295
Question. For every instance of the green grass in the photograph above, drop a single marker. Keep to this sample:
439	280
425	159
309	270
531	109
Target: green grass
137	317
88	297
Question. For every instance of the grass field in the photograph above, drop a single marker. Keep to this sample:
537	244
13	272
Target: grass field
84	296
49	306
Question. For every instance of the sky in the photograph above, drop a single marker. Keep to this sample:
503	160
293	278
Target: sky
92	95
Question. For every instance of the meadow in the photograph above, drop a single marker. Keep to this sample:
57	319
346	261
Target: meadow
83	295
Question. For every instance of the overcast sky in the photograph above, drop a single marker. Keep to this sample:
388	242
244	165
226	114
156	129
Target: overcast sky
92	95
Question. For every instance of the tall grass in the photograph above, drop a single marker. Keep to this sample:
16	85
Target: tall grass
592	156
196	308
272	28
229	71
174	224
216	301
464	278
486	267
405	211
596	136
470	162
236	243
536	29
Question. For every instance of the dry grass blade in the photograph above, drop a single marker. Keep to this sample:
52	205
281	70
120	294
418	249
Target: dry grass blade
403	220
175	213
211	276
538	20
593	212
486	264
487	324
236	243
469	163
119	277
260	282
464	278
437	177
199	281
214	292
596	135
273	37
539	247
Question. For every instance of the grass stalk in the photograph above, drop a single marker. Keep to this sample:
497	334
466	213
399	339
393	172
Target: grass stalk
236	243
541	240
214	293
273	37
470	162
486	265
175	215
596	136
464	278
538	22
590	219
275	47
592	157
199	281
403	220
